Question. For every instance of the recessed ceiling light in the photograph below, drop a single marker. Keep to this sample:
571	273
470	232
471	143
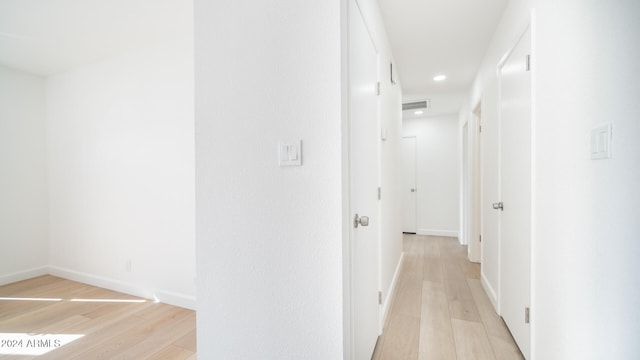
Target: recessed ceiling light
439	77
418	112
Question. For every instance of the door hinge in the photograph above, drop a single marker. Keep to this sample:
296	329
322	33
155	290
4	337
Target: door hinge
526	315
379	193
528	62
378	88
379	297
479	128
480	238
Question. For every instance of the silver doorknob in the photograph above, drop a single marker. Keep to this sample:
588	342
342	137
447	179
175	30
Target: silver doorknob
413	190
498	206
360	220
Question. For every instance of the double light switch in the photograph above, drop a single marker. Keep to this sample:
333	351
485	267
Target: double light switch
601	142
290	153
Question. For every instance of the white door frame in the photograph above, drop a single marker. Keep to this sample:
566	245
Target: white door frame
473	188
466	207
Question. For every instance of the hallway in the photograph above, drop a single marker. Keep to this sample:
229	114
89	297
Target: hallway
440	310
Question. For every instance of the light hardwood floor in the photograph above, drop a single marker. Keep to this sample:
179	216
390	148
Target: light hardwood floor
440	310
113	325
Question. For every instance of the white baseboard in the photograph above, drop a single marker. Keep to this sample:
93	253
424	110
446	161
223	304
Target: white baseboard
386	305
434	232
167	297
491	293
176	299
23	275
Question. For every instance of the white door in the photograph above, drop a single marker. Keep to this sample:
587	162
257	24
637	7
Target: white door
515	191
363	187
409	195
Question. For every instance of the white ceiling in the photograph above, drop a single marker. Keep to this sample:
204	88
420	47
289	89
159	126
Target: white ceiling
428	37
45	37
431	37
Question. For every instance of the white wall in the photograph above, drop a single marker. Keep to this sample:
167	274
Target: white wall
390	152
586	237
270	239
438	173
23	187
121	172
586	251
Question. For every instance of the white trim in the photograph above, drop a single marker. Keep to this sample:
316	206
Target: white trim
23	275
491	293
532	254
386	306
167	297
177	299
463	214
434	232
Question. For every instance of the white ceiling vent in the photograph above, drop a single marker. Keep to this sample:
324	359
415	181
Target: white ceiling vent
417	105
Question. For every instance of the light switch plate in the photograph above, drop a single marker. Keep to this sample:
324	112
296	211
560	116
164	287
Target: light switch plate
290	153
601	142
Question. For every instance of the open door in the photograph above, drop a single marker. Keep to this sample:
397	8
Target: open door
515	191
363	187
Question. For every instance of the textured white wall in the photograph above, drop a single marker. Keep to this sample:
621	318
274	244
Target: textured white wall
269	238
586	238
587	241
437	172
121	172
23	187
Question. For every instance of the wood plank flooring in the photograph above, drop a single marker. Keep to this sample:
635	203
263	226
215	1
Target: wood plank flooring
112	325
440	310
